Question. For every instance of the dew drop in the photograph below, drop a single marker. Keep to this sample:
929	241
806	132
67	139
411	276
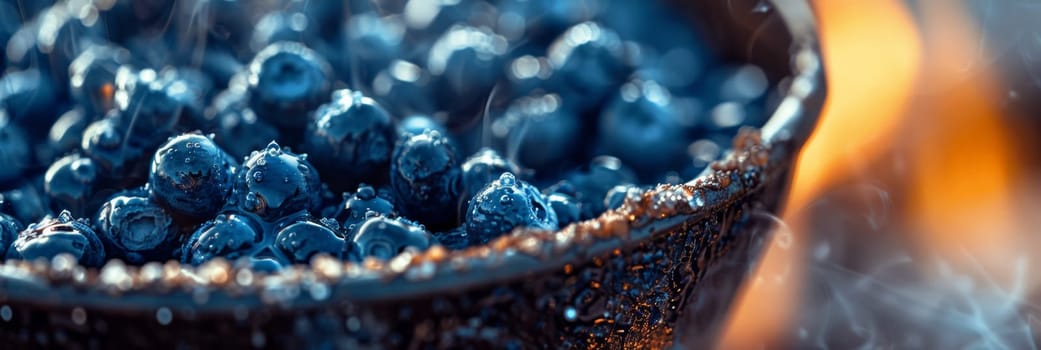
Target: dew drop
258	177
570	313
164	316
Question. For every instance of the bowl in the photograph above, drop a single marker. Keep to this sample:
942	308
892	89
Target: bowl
662	270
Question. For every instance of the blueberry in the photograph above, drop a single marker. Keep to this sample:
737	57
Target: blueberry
404	88
14	150
568	209
154	106
363	204
71	183
280	26
301	240
591	62
9	229
191	176
268	265
465	62
617	195
287	81
109	146
60	235
137	229
351	139
373	42
26	203
592	182
230	236
424	175
92	77
29	98
482	168
58	35
642	118
505	204
544	134
235	126
275	182
384	238
417	124
67	132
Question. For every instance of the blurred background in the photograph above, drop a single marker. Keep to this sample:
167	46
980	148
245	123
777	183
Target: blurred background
914	217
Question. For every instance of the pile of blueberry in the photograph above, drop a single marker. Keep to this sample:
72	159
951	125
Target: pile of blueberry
155	130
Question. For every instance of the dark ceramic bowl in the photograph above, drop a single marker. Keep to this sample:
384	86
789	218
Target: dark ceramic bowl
660	271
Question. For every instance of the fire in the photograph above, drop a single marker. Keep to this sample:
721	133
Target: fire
912	93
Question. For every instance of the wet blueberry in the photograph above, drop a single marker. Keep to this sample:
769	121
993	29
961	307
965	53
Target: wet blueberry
274	182
61	235
351	140
384	238
236	128
616	196
26	203
482	168
191	176
425	176
592	181
566	207
465	62
640	118
417	124
505	204
403	88
92	77
154	106
14	150
67	132
230	236
363	204
542	132
301	240
71	183
109	145
287	81
29	98
137	230
9	229
590	61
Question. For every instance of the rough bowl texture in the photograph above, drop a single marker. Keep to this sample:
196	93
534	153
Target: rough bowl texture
660	271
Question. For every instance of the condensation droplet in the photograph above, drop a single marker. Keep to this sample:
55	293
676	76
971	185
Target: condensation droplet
570	313
164	316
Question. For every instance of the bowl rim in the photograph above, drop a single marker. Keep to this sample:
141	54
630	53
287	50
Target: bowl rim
219	286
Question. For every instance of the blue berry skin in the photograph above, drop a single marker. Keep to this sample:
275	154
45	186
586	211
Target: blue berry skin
230	236
71	183
351	140
592	182
137	230
92	77
482	168
506	204
275	182
110	147
191	176
543	133
616	196
465	62
29	98
287	81
154	106
417	124
404	88
425	178
590	61
67	132
641	118
268	265
236	128
14	150
300	240
26	203
373	42
54	236
9	229
384	238
568	209
363	204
